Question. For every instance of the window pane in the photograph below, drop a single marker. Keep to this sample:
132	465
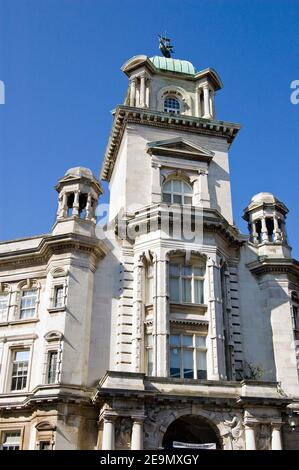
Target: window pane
187	200
167	197
11	440
187	271
150	362
201	365
171	105
177	199
19	370
186	188
52	367
28	303
175	359
200	341
174	290
21	356
187	340
199	271
174	269
174	340
177	186
167	186
58	300
186	285
188	364
198	292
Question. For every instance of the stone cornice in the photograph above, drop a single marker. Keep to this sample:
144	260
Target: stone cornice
52	244
265	265
213	221
45	395
126	114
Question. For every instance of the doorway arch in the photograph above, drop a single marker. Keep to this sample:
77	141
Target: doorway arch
191	429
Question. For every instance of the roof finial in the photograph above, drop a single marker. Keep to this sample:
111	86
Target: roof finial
165	47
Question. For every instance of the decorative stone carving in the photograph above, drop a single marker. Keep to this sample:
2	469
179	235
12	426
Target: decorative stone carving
123	433
153	424
263	437
235	433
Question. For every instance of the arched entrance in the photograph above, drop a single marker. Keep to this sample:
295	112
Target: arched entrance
190	429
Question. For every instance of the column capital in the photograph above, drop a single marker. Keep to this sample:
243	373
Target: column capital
108	416
249	423
138	418
276	425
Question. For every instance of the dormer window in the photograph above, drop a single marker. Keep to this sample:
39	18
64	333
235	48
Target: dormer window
172	106
177	191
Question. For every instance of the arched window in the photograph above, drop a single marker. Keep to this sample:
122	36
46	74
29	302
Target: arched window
177	192
172	105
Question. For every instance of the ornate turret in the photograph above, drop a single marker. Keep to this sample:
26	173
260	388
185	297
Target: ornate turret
79	191
266	222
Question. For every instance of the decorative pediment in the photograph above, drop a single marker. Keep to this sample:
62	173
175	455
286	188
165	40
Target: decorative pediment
179	147
45	426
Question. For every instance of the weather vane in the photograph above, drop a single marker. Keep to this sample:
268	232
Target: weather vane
165	47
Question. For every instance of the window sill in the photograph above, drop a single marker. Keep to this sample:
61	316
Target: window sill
56	309
20	321
188	306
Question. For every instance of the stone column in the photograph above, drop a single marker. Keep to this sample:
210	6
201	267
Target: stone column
137	315
276	437
147	92
212	104
137	433
63	206
197	103
264	233
88	207
216	323
76	204
254	233
250	437
161	321
206	98
277	231
108	433
133	92
137	98
142	91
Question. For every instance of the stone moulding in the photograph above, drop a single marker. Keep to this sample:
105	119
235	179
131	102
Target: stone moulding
126	114
51	244
213	221
272	265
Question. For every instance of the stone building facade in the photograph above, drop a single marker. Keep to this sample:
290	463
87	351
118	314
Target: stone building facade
165	323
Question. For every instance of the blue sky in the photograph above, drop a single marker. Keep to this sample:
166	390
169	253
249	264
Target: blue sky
60	61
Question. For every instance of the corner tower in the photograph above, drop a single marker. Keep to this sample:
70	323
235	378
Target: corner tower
170	105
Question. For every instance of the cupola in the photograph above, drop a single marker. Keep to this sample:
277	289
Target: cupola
78	194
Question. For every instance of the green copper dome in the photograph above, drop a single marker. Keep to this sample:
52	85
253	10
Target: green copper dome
173	65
